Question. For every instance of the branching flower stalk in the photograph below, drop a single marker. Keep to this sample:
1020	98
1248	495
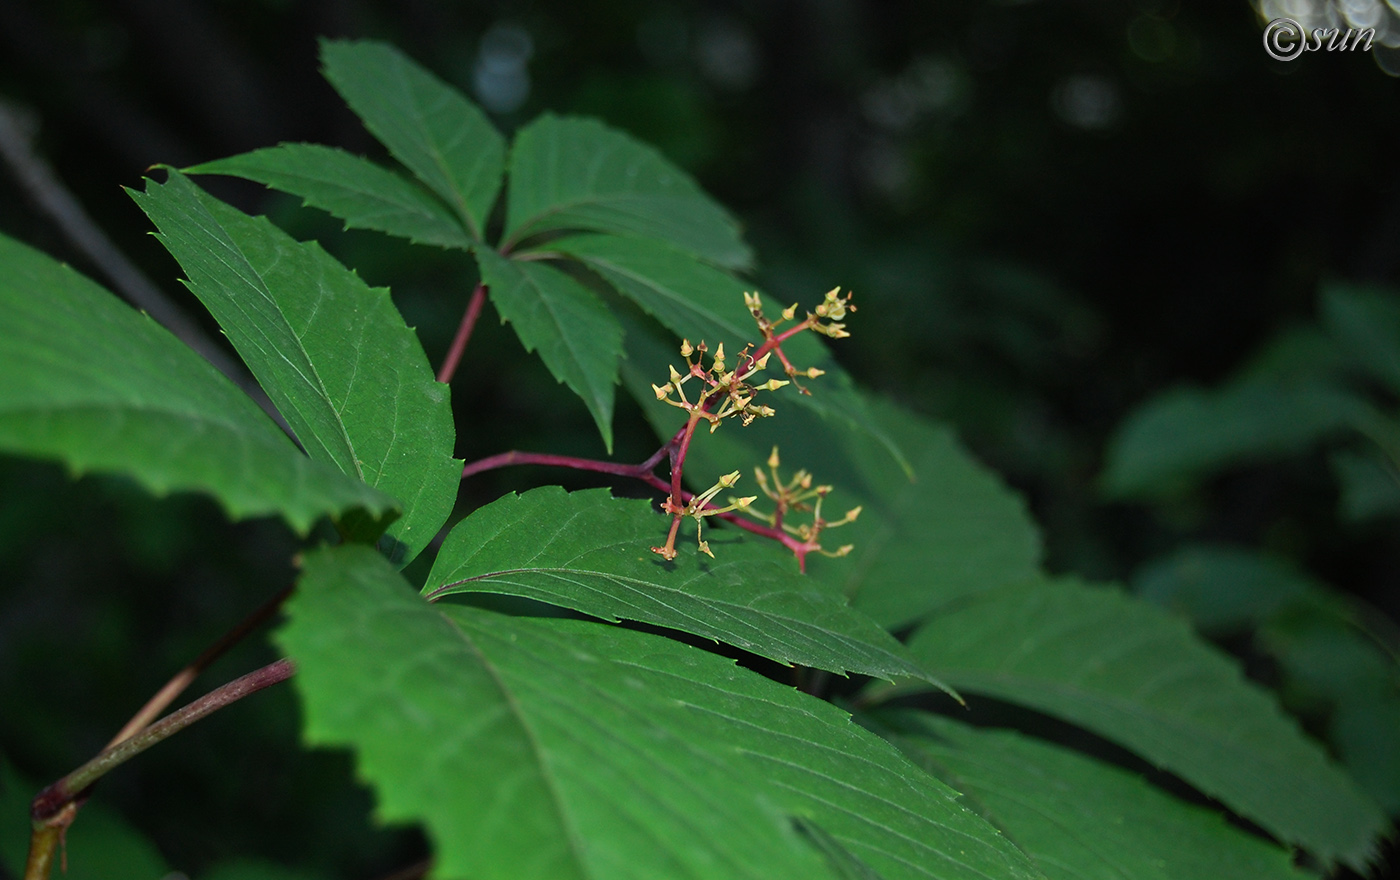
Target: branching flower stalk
793	496
723	394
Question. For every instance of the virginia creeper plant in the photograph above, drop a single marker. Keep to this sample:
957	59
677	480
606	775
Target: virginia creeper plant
577	744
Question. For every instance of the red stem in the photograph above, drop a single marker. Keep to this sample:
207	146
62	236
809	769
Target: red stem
679	450
464	332
643	472
505	459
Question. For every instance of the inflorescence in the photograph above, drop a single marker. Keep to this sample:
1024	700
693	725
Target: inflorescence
723	393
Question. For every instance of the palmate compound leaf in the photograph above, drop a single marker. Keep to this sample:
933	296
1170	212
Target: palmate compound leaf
589	551
363	194
571	173
1139	677
91	382
333	354
578	340
945	529
546	748
429	126
1082	819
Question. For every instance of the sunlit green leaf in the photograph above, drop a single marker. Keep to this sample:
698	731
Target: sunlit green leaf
1135	675
333	354
363	194
546	748
429	126
1081	819
93	383
590	552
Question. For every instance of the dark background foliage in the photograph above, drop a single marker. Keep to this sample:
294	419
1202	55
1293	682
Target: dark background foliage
1049	211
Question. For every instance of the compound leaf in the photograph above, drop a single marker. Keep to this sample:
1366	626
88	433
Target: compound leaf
576	337
333	353
428	125
546	748
93	383
1135	675
363	194
589	551
1081	819
570	173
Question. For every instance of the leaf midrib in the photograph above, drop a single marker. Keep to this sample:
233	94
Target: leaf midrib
430	146
555	796
796	635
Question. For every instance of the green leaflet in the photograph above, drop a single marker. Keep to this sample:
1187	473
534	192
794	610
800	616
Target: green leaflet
93	383
553	749
570	173
333	353
1081	819
952	530
1132	674
427	125
691	298
576	337
1181	435
589	551
363	194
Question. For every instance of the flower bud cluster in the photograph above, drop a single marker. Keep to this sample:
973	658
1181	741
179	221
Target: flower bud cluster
723	392
800	496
